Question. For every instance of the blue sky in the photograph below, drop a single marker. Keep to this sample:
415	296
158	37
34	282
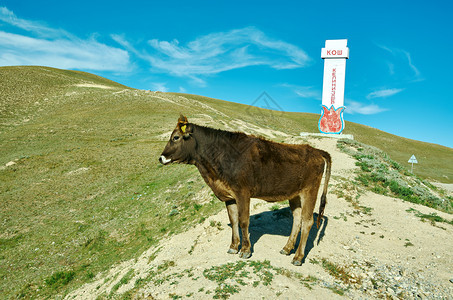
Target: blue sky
398	76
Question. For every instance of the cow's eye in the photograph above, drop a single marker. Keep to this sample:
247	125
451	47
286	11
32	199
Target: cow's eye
175	138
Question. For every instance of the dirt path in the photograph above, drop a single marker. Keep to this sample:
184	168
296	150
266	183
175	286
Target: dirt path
379	250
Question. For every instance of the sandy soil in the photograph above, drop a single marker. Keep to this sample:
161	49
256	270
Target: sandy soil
387	252
91	85
446	186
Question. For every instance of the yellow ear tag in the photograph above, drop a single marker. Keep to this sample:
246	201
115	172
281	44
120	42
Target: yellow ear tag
183	128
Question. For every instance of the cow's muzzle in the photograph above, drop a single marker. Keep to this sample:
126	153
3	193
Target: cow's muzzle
163	160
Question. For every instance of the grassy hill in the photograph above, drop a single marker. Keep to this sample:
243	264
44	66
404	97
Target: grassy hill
80	184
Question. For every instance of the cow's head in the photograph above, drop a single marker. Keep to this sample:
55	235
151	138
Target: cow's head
181	146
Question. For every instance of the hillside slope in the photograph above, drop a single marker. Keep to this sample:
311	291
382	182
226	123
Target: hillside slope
27	90
80	186
23	90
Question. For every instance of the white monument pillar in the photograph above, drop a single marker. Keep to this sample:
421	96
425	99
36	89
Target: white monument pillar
334	54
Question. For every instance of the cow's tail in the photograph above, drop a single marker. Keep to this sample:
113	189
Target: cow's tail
322	205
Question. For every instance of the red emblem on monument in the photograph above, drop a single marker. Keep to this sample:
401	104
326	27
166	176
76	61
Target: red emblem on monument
331	120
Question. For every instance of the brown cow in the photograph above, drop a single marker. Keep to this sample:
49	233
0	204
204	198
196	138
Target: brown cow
237	167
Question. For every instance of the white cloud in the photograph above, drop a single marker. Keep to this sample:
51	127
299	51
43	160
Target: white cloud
43	45
39	28
384	93
218	52
401	64
303	91
412	66
159	86
354	107
391	67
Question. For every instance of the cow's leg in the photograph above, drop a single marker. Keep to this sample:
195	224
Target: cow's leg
244	219
295	206
232	209
308	205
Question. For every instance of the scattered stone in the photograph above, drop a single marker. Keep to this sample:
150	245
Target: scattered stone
11	163
173	212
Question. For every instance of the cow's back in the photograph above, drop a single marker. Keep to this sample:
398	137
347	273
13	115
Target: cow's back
276	170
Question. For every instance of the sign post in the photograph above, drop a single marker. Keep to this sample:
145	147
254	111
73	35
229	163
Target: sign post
412	161
334	54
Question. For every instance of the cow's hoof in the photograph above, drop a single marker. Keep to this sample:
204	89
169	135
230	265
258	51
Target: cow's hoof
232	251
245	255
284	252
297	262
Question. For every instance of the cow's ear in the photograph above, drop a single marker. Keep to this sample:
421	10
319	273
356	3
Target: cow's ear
186	130
182	124
182	119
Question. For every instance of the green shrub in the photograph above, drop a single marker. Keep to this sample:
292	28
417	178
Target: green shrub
400	190
382	175
60	279
363	179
